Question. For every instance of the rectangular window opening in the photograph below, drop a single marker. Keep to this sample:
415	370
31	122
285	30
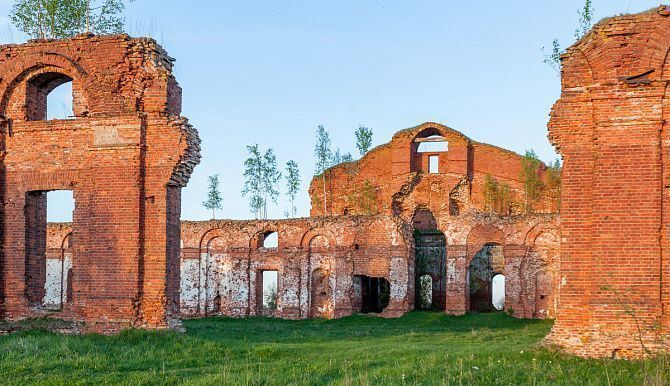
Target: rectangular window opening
269	290
433	164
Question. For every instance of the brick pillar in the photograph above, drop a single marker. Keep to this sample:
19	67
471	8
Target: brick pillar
457	287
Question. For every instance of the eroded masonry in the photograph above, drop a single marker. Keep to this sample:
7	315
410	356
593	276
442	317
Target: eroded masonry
125	154
430	220
612	127
406	237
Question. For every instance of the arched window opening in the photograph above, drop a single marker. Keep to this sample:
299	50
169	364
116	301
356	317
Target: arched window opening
268	240
486	262
498	292
425	287
50	96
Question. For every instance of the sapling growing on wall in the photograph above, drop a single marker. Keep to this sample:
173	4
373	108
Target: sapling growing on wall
58	19
214	198
553	57
530	178
261	176
292	184
324	156
363	139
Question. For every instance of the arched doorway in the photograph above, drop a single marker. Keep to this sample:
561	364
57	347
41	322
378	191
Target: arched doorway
484	266
320	302
430	248
498	292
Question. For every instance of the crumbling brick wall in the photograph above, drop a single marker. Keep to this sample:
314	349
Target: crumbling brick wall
611	127
125	154
370	185
323	264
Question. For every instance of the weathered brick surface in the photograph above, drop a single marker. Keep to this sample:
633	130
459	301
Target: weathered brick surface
398	168
221	262
125	154
611	126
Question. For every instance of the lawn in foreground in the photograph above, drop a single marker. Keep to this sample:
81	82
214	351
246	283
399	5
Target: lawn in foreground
419	348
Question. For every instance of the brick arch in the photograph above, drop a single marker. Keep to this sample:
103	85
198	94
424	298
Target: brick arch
213	233
254	242
481	235
42	62
311	234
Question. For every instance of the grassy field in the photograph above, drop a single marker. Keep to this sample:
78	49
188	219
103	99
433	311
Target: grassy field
420	348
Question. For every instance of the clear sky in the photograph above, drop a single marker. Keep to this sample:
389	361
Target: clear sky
269	72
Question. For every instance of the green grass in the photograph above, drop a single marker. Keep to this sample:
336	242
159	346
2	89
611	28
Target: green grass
419	348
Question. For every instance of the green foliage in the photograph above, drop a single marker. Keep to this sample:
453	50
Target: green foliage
497	196
585	20
530	178
214	198
57	19
261	176
419	348
363	139
425	292
364	200
322	150
292	184
338	158
324	157
553	183
553	58
271	297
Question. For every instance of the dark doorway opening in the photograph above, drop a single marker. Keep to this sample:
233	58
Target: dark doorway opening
371	293
430	249
485	265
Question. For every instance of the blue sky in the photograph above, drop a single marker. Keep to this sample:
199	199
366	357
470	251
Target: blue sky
269	72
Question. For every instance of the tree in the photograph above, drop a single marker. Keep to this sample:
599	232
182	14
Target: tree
585	20
530	178
57	19
497	196
553	182
214	198
324	158
261	176
363	139
292	184
253	180
338	157
269	179
553	58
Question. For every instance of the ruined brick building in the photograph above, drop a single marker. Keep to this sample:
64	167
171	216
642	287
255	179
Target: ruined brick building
611	126
425	234
410	225
125	154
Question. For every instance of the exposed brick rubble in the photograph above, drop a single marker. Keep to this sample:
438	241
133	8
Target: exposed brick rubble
125	154
611	126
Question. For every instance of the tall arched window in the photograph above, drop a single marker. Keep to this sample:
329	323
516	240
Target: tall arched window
49	96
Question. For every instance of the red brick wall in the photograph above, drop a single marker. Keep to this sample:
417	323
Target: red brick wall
611	126
221	262
125	155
